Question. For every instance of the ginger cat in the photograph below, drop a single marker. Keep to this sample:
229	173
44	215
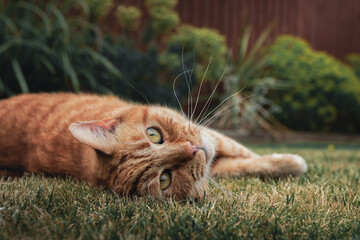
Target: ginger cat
131	148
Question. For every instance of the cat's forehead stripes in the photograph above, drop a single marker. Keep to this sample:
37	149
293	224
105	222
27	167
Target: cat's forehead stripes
176	126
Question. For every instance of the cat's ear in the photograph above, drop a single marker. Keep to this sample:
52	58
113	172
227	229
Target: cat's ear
96	134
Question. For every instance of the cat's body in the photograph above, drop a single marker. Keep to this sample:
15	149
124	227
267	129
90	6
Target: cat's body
130	148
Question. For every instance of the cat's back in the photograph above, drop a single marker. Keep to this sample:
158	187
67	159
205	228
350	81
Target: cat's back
35	126
31	112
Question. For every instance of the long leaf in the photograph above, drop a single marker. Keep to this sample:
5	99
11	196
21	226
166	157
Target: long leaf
38	11
243	44
8	23
8	44
49	66
94	84
16	41
66	6
259	42
69	70
30	27
61	19
19	75
4	89
105	62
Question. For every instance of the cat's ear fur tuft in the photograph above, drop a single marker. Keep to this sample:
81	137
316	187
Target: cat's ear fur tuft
96	134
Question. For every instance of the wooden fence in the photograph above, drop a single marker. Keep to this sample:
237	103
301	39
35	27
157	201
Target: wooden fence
329	25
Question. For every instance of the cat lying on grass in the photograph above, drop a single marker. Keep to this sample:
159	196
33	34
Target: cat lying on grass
130	148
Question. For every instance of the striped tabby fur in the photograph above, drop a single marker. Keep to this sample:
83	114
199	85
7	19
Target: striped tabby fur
102	140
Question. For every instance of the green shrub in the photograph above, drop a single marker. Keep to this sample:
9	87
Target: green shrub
207	44
170	4
324	93
149	74
129	17
46	51
163	20
99	8
49	50
354	60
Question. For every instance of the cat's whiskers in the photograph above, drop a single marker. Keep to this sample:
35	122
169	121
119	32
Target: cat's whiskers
133	85
208	102
189	93
198	187
192	68
226	109
176	97
200	87
220	187
223	112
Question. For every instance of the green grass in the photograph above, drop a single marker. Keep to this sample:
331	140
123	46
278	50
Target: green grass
324	203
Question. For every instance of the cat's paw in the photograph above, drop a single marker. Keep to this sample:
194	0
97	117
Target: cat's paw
274	165
287	164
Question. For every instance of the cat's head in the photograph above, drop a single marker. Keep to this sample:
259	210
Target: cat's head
150	150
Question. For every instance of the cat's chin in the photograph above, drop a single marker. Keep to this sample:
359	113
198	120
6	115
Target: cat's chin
209	150
200	189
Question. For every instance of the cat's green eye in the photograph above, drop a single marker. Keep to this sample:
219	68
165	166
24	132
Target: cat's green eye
154	135
165	180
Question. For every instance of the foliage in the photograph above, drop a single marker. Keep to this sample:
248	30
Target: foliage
354	60
207	44
99	8
250	108
128	17
146	72
324	93
169	60
324	203
163	20
45	51
169	4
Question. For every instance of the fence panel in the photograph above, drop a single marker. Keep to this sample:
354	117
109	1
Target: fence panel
329	25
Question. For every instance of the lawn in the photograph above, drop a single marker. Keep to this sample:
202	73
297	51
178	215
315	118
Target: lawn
324	203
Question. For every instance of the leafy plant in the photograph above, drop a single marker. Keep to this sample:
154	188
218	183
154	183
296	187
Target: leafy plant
44	50
206	44
99	8
150	74
174	47
248	107
354	60
128	17
324	93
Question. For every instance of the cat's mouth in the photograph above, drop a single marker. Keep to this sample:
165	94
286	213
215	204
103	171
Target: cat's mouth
200	187
205	151
209	151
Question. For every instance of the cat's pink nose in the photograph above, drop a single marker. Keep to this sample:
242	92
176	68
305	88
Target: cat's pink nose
191	149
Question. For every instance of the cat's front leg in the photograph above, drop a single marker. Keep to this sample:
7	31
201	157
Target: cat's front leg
275	165
234	159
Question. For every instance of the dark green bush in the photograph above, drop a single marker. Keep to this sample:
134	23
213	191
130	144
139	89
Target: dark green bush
49	50
148	78
42	50
205	44
324	93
